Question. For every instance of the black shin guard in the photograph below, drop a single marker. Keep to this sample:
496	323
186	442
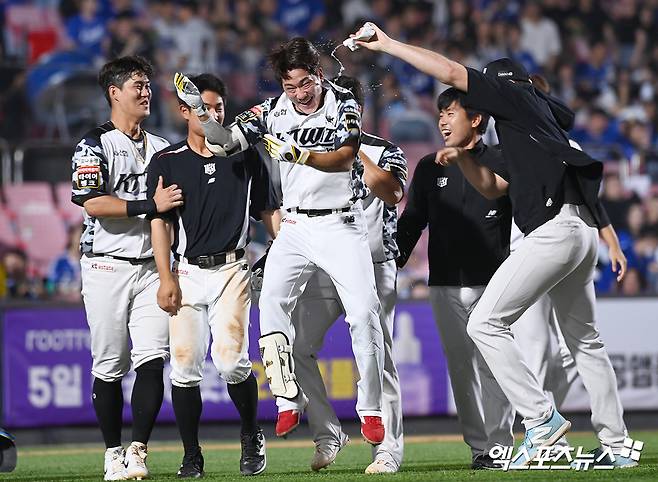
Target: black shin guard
245	399
187	407
147	398
107	398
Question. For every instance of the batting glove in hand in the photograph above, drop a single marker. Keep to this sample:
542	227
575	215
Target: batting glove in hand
286	151
189	93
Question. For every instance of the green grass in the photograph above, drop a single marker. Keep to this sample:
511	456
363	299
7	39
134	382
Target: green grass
425	459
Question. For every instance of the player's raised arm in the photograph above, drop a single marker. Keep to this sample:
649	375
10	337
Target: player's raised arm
486	181
219	139
441	68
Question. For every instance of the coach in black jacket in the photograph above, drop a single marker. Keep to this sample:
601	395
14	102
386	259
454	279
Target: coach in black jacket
469	239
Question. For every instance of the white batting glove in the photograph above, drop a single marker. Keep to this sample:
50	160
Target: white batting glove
189	93
286	151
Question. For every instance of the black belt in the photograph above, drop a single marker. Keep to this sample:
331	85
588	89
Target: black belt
319	212
120	258
211	260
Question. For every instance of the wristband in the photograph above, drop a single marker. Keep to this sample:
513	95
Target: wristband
135	208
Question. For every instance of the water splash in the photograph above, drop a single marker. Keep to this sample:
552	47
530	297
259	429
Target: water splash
333	55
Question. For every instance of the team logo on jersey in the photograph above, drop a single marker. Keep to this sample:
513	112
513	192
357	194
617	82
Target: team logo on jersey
442	181
209	168
280	112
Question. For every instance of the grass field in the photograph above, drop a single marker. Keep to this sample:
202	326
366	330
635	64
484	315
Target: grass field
426	458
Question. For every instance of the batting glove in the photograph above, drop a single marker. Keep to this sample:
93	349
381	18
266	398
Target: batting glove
189	93
286	151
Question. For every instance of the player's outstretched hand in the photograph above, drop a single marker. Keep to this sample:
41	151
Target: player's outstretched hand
167	198
449	155
169	295
379	42
618	262
189	93
286	151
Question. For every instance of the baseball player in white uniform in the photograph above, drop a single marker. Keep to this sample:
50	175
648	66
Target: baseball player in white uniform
119	276
313	130
320	305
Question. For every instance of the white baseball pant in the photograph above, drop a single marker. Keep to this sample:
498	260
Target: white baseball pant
337	244
215	303
317	309
121	306
485	415
557	258
545	351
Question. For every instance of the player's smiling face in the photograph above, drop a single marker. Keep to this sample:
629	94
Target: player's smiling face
455	126
134	97
304	90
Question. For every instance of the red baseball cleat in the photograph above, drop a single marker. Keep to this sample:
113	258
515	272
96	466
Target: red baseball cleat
372	430
287	421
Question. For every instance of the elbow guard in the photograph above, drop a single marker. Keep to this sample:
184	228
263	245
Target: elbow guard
222	141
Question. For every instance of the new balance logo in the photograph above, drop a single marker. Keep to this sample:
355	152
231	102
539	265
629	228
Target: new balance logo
539	435
491	214
549	203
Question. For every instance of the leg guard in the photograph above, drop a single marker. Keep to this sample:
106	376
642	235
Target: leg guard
276	352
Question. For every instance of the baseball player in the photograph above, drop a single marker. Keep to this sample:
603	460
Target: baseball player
8	454
554	193
468	240
385	173
119	276
313	130
208	294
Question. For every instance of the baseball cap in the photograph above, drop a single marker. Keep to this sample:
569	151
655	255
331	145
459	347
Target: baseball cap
506	68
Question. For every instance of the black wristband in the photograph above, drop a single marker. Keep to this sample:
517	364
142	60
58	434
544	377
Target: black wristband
135	208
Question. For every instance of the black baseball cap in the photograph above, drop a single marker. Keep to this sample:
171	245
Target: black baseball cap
506	68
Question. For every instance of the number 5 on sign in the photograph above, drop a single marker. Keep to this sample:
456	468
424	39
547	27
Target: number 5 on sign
59	386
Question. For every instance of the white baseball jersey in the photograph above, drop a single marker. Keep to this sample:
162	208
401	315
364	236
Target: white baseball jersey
382	219
335	123
108	162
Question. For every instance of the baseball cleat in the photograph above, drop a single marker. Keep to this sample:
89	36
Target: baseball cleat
372	430
382	466
136	454
253	459
114	467
287	422
8	455
325	454
544	435
192	466
484	462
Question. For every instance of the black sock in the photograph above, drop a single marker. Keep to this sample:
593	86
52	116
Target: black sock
245	399
107	398
187	407
147	398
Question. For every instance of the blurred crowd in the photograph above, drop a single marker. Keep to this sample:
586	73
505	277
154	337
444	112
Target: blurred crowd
601	57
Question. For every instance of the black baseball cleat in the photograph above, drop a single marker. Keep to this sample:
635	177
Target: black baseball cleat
192	466
253	460
484	462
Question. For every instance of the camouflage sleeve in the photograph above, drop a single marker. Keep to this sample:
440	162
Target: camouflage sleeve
394	161
90	170
348	129
253	122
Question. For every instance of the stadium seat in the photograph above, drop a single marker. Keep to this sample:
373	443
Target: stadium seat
8	236
72	213
44	237
29	198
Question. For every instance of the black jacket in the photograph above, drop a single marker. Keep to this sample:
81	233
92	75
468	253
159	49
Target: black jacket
468	235
531	128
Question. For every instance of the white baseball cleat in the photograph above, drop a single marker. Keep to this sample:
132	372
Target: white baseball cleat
136	454
114	467
325	454
382	466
